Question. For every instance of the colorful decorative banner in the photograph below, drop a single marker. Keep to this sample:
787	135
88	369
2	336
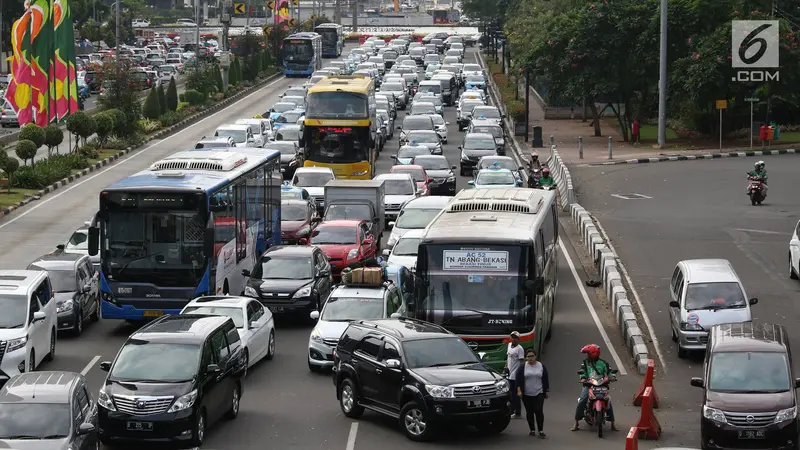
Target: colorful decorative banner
282	13
19	92
65	93
42	38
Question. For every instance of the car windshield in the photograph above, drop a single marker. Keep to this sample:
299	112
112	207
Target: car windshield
494	131
448	351
437	119
501	163
492	177
479	144
475	79
392	87
289	117
294	213
399	187
472	68
418	175
383	115
283	107
15	309
348	212
406	247
423	108
283	268
749	372
78	241
408	151
312	179
62	280
470	105
432	163
238	136
338	309
489	113
35	421
423	137
714	296
416	219
287	134
332	235
143	361
235	313
287	148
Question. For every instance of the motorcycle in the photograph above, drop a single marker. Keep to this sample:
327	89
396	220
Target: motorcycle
534	177
755	190
599	401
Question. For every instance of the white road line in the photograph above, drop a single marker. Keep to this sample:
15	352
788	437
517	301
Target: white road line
747	230
90	365
589	305
639	303
134	154
351	438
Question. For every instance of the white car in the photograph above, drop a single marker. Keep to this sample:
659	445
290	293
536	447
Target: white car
255	324
242	135
404	251
794	253
441	126
399	189
416	215
262	129
28	323
313	180
78	243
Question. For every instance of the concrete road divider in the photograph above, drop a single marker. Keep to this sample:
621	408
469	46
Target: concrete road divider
648	422
647	383
632	439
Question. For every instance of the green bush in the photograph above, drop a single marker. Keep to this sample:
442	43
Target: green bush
194	98
89	151
49	170
170	118
32	132
162	98
182	104
81	125
148	126
152	109
106	124
172	95
26	149
233	74
10	166
53	137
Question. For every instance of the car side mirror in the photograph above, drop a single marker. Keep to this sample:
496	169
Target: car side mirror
367	241
94	240
245	273
459	147
471	183
797	383
521	168
393	156
324	273
393	363
314	315
38	316
386	252
87	288
697	382
85	428
447	123
399	128
303	241
392	224
674	304
212	369
453	167
60	247
753	301
396	315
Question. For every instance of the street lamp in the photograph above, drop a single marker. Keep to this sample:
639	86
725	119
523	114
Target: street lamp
662	80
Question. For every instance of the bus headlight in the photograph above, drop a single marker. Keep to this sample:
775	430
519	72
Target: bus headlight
359	174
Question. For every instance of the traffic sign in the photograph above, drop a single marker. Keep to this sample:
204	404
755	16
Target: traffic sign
267	30
291	22
271	5
239	8
752	100
722	104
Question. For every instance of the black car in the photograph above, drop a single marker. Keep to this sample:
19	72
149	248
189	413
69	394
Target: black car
420	374
48	410
75	288
290	279
291	156
475	146
171	380
437	167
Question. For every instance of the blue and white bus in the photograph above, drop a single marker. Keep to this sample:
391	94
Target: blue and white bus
185	227
332	39
301	54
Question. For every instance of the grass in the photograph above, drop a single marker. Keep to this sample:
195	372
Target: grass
649	133
15	196
102	154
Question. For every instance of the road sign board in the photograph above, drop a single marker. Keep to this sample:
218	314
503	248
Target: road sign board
239	8
271	5
752	99
267	30
291	22
722	104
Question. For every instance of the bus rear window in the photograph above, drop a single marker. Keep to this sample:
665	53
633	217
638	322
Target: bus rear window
337	105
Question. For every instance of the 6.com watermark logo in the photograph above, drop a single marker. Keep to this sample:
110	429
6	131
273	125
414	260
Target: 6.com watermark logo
754	50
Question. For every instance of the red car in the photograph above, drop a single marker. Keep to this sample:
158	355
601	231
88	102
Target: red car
344	242
298	220
419	175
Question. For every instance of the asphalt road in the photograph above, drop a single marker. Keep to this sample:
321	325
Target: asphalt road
284	405
698	209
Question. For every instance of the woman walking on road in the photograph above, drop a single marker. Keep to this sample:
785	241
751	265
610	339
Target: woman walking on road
533	384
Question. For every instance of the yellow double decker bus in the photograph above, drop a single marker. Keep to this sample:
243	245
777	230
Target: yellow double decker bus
340	126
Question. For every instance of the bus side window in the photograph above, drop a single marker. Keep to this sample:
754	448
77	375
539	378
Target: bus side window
540	255
549	235
240	191
222	207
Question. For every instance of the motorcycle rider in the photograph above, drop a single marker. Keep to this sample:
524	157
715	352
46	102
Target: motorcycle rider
759	171
546	180
593	365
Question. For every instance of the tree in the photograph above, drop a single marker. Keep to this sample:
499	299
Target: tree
10	167
152	109
26	150
33	133
81	125
53	137
232	73
104	126
91	31
162	99
172	95
124	95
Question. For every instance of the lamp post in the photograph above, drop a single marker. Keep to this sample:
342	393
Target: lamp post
527	102
662	80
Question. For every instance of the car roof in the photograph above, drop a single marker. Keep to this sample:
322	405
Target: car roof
423	103
359	291
709	271
405	328
58	259
406	168
314	170
749	336
40	387
484	123
220	300
340	223
233	126
492	169
478	136
413	234
293	201
393	176
292	250
180	328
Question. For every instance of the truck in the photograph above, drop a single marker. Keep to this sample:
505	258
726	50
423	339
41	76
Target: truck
356	199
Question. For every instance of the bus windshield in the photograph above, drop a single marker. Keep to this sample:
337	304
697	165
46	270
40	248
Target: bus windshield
341	104
337	144
329	35
297	50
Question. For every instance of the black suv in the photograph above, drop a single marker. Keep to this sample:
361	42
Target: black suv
415	371
171	380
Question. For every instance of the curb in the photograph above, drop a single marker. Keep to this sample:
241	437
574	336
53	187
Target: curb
157	135
787	151
604	259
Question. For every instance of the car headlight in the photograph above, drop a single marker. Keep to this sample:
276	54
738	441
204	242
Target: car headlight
501	386
304	291
352	254
66	306
451	179
691	327
786	414
104	400
315	335
183	402
358	174
714	414
392	240
249	291
16	344
440	391
464	157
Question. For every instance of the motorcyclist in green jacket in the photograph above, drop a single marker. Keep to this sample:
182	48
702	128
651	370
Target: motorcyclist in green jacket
593	365
759	171
546	179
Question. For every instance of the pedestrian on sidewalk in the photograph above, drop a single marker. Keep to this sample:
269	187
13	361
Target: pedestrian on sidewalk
533	385
635	132
515	356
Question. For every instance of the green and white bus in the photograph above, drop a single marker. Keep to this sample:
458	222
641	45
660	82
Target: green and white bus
488	265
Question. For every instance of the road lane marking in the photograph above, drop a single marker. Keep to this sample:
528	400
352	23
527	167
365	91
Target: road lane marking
631	196
624	272
747	230
133	155
592	311
90	365
351	438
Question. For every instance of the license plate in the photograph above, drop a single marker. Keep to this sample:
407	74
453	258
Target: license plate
140	426
153	313
751	434
275	309
483	403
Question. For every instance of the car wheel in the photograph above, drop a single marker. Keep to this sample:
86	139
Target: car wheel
348	399
414	423
313	368
96	314
271	345
792	273
199	431
32	361
77	329
235	401
51	354
682	352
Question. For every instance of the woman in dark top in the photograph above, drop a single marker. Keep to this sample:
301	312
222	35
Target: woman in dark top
533	384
